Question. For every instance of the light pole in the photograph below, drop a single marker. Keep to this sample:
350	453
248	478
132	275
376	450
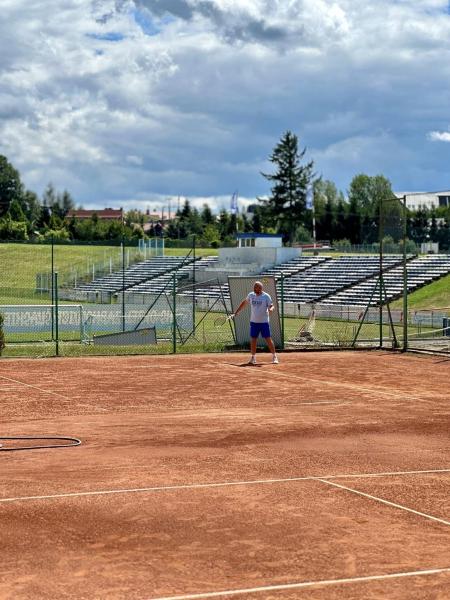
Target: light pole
310	204
313	218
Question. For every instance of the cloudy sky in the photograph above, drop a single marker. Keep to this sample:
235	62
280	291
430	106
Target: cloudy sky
131	102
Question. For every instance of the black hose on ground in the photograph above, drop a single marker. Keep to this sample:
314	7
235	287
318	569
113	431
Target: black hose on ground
74	442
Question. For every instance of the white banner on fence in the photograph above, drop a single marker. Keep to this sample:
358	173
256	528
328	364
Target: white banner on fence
107	318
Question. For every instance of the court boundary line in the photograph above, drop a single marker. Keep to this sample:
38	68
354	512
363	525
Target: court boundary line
35	387
383	391
219	484
304	584
259	407
387	502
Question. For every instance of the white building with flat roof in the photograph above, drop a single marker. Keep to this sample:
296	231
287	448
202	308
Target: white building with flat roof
254	253
259	240
418	200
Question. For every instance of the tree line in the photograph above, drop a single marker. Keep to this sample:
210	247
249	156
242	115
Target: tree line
300	203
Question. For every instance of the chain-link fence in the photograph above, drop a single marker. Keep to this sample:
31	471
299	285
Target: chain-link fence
69	300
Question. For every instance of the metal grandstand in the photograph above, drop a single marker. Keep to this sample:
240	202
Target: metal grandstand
347	280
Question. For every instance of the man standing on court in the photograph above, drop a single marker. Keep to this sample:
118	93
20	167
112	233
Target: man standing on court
260	306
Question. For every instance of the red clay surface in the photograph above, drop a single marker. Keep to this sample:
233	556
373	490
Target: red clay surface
124	515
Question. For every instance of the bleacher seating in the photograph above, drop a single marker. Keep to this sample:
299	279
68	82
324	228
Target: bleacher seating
134	275
334	275
288	269
162	282
420	271
345	280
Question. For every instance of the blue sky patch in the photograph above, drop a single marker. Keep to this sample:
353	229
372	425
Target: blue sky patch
111	36
146	23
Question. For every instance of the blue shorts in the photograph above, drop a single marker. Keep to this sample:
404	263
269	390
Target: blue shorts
259	328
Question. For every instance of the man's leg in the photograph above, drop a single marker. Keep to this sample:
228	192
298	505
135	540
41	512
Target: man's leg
271	346
253	342
255	329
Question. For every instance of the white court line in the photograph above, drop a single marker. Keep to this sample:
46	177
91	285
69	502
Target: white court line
194	486
387	502
153	489
312	403
384	474
35	387
259	407
303	584
351	386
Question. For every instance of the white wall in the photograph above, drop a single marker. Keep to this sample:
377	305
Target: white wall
268	242
246	261
414	201
261	242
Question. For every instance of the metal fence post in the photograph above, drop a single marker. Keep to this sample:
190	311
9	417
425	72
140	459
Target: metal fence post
81	323
53	285
405	282
380	299
282	311
193	283
123	280
56	313
174	322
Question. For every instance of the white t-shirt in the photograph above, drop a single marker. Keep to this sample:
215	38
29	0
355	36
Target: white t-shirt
259	307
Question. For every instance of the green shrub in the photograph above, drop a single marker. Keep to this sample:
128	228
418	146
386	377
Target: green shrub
2	335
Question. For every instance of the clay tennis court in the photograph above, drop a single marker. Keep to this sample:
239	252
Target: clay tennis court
324	477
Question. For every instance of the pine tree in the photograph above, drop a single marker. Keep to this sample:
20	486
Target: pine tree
341	217
11	187
286	207
433	227
207	216
256	222
15	211
66	203
353	221
420	226
327	223
31	207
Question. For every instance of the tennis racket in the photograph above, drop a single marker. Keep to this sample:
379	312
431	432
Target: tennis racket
220	321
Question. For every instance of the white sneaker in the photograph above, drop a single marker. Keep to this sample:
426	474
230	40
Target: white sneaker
252	361
275	360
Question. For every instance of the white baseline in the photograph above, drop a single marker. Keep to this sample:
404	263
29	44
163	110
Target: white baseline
303	584
194	486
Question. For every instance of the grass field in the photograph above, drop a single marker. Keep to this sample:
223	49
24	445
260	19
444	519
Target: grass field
22	262
434	295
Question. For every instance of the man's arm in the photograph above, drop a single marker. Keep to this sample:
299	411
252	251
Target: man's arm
241	306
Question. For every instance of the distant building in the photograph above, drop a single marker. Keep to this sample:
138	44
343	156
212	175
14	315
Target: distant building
155	215
259	240
255	252
105	214
418	200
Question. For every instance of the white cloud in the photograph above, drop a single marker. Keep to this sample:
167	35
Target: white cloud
123	99
439	136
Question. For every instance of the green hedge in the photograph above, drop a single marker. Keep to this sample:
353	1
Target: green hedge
2	335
